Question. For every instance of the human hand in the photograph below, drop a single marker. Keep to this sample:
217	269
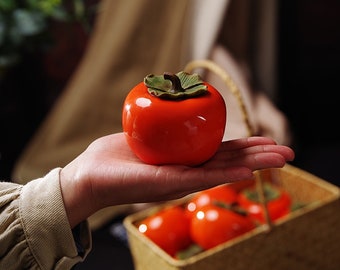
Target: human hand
108	173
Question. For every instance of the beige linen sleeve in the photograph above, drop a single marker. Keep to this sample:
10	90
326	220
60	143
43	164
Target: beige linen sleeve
34	229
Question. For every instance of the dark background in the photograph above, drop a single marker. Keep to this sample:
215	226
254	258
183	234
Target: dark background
309	59
309	65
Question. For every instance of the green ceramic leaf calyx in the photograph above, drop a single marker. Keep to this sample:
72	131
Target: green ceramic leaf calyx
171	86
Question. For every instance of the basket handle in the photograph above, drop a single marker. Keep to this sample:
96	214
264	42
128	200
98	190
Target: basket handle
224	75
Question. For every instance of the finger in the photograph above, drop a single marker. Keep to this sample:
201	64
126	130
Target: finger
254	161
245	142
285	151
260	161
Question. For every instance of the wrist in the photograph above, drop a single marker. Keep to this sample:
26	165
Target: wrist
76	202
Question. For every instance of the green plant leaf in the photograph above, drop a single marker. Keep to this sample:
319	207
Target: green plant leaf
29	22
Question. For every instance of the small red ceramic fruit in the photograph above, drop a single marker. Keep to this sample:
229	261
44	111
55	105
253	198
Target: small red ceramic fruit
174	119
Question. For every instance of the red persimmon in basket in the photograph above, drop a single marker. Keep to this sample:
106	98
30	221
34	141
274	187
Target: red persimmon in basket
168	228
174	119
213	225
278	202
220	194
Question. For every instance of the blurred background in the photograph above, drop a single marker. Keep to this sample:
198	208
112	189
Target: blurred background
46	44
41	45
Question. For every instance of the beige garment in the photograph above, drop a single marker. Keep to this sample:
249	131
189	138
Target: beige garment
34	231
131	39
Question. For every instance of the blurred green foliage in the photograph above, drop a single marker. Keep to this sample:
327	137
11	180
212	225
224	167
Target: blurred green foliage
24	24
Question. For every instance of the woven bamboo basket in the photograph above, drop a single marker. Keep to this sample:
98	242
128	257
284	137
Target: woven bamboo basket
307	238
